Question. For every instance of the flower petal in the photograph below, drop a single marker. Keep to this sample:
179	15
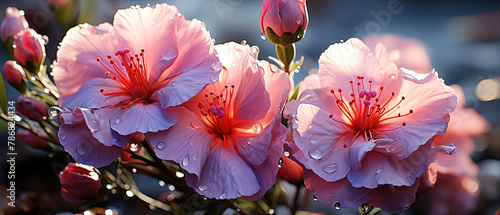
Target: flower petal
91	89
186	143
145	118
79	143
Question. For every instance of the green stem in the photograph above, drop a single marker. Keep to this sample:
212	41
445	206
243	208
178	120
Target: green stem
286	54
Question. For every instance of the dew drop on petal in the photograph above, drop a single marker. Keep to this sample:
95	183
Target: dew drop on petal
81	149
160	145
315	154
314	198
70	66
280	162
298	20
223	196
217	65
192	140
134	170
262	36
204	197
255	50
214	78
243	43
63	136
331	168
299	36
115	139
393	76
249	140
118	120
366	208
379	170
169	54
135	147
203	187
257	127
337	205
161	183
286	153
185	161
179	174
86	29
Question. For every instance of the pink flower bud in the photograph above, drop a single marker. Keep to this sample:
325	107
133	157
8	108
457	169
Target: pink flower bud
13	72
13	22
79	182
290	171
31	138
284	16
32	108
28	46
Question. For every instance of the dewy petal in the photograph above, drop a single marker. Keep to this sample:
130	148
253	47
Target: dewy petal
377	169
91	89
97	122
321	141
77	62
79	143
144	118
192	143
225	175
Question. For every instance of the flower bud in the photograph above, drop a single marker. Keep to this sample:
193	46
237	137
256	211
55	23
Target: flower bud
31	138
13	22
29	46
79	182
290	171
32	108
14	73
284	22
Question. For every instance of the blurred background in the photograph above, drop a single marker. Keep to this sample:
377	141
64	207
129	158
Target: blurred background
462	39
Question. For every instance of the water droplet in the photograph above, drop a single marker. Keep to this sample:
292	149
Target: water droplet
314	198
135	147
257	127
114	41
214	78
21	12
115	139
366	208
274	68
379	170
171	187
70	66
217	65
337	205
192	140
299	36
45	39
134	170
14	46
223	196
63	136
94	125
129	193
244	43
298	20
280	162
179	174
179	14
255	50
203	187
86	29
286	153
160	145
262	36
271	211
393	76
185	161
118	120
46	90
33	78
331	168
169	54
249	140
315	154
81	149
205	198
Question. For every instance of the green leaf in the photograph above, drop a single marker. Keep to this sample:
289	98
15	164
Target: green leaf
295	94
3	96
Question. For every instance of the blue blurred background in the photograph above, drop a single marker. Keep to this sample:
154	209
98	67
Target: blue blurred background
462	39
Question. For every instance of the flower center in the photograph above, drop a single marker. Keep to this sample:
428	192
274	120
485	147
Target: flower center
216	111
132	76
363	112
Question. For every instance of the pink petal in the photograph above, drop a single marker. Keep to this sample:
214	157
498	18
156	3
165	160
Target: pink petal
321	141
91	89
79	143
144	117
311	82
290	11
278	85
186	143
225	175
272	18
254	148
98	124
77	57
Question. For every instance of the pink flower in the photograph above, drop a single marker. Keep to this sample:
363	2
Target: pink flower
457	173
79	182
149	61
229	137
32	108
28	46
362	127
13	22
283	16
405	52
14	73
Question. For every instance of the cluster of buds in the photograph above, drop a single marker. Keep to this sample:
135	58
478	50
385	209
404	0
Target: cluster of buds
284	22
